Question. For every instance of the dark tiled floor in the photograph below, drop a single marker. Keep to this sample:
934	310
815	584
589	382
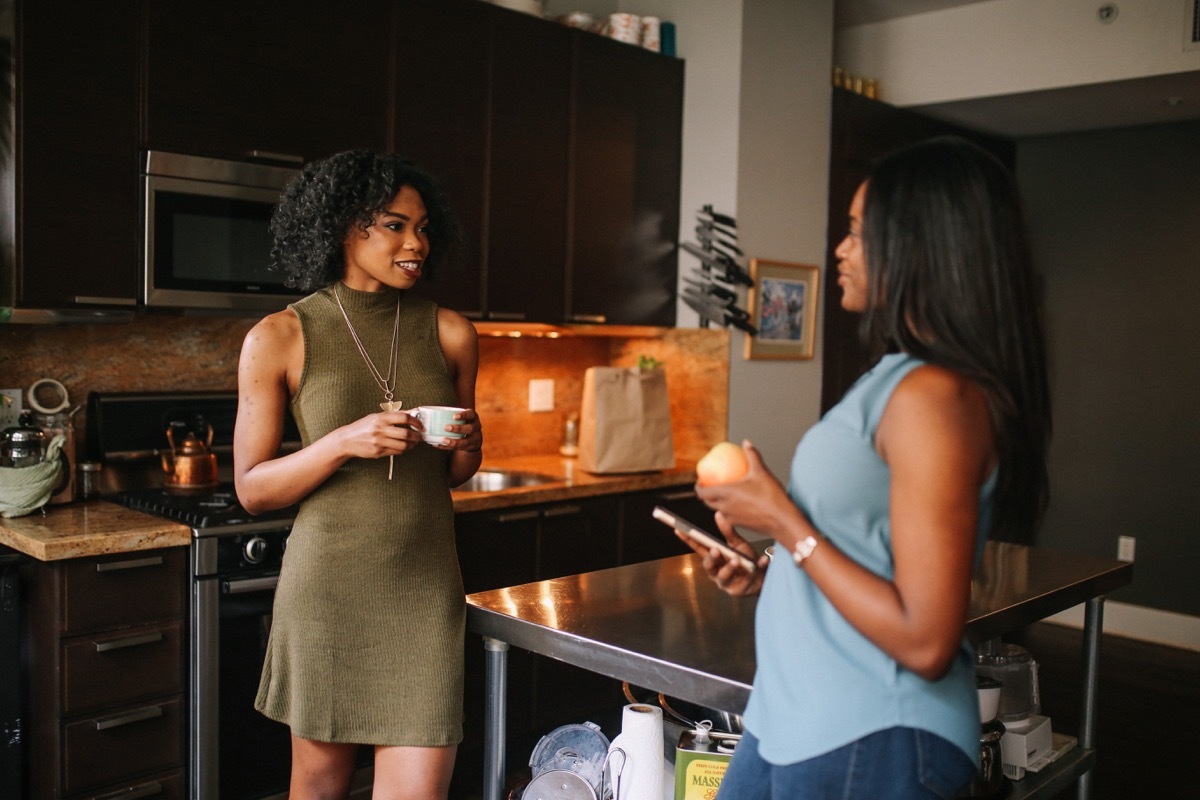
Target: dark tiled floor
1149	705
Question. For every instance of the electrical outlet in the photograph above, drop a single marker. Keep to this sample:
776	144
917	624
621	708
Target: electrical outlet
10	407
541	394
1125	547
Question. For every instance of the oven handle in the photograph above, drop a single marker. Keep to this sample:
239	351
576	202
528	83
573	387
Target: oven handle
249	585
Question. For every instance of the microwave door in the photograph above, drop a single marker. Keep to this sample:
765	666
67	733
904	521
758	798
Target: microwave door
207	245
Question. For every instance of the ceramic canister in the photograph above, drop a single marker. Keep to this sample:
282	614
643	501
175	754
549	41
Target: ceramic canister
625	28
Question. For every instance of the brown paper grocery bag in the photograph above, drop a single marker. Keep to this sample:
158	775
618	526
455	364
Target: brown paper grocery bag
625	424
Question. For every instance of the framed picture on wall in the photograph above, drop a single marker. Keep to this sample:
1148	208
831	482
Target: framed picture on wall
783	308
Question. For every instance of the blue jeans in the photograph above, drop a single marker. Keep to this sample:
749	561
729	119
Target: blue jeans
895	764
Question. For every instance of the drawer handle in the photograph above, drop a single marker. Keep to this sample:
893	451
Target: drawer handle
130	641
145	790
517	516
684	495
128	718
595	319
133	563
506	316
562	511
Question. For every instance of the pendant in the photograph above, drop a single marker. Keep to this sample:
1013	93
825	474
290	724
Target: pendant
391	405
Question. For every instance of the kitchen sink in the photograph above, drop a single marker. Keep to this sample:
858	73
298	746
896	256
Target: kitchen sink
495	480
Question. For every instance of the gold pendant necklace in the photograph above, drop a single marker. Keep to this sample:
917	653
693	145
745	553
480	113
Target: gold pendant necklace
386	382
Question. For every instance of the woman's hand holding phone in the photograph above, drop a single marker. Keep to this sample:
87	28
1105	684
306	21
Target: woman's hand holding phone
730	563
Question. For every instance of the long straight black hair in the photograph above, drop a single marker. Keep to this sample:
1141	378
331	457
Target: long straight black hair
952	283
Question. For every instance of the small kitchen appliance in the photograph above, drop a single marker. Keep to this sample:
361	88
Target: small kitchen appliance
1027	736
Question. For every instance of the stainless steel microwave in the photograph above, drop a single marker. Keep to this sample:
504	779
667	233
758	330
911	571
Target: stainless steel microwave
206	241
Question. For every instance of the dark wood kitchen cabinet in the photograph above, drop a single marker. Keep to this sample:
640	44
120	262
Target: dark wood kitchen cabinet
76	86
644	538
627	140
560	151
489	117
240	78
107	664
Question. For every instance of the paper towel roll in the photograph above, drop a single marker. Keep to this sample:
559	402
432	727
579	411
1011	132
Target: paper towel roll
639	775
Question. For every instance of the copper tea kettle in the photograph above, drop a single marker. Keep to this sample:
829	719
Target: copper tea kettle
190	464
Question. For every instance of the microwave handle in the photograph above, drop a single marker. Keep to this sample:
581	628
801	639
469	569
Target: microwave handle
277	156
105	301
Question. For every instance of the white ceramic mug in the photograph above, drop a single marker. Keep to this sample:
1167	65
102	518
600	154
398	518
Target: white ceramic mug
435	419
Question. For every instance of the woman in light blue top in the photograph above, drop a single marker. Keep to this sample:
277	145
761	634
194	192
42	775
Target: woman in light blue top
865	686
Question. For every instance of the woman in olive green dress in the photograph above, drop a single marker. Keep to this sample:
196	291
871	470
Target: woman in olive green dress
367	635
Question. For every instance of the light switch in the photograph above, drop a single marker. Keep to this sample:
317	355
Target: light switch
541	394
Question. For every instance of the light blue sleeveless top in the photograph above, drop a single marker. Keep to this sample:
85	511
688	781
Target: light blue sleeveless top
820	684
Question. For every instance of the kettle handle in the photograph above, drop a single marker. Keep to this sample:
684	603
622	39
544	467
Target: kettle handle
208	439
171	437
65	470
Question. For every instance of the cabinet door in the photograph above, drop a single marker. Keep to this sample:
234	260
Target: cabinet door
526	239
577	537
495	549
77	237
643	538
441	124
302	80
626	173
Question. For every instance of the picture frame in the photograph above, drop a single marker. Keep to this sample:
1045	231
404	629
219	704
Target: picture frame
783	310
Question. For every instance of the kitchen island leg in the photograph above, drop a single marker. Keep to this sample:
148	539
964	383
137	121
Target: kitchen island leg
495	717
1093	625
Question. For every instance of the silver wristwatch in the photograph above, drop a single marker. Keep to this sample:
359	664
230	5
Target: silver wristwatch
804	548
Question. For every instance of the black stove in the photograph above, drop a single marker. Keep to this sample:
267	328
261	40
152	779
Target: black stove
203	509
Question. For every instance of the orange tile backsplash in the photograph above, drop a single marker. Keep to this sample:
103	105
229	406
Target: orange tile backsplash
190	353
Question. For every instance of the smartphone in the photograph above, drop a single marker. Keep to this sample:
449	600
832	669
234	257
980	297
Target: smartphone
702	536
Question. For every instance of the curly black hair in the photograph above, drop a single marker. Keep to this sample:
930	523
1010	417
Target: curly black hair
319	207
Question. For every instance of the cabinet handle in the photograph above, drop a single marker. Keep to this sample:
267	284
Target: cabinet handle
596	319
145	790
517	516
105	301
129	641
687	494
507	316
133	563
128	718
562	511
277	156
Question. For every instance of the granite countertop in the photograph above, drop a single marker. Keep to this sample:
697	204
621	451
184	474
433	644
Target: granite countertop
569	482
89	528
98	527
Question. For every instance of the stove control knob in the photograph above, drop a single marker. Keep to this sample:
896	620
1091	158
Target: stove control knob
255	550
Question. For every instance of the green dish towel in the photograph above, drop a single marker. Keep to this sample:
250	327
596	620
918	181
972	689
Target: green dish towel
24	490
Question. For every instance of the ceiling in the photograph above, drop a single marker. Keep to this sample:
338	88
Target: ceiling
1142	101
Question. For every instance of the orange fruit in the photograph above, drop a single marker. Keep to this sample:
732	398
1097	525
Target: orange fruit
724	463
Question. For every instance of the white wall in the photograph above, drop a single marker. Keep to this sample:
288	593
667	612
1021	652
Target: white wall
783	179
1013	46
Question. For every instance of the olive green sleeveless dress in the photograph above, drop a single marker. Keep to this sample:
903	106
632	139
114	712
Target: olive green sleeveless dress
366	644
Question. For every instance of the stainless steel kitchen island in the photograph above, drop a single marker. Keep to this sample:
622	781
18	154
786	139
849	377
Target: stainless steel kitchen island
664	626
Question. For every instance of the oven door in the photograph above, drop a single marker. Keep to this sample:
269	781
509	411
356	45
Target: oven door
237	753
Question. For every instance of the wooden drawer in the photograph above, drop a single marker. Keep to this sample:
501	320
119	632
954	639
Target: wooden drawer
124	590
168	786
115	669
135	740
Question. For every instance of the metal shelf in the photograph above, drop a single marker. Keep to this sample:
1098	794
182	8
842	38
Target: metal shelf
1055	778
